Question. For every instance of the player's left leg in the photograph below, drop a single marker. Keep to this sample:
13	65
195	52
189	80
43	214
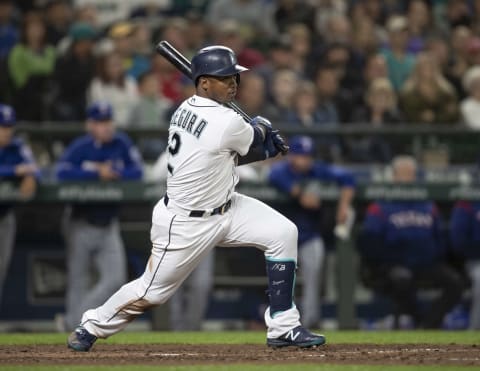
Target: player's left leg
255	224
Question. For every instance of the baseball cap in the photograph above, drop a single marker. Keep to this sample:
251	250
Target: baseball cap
100	111
301	145
7	116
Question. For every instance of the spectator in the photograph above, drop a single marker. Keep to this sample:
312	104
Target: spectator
470	107
380	109
460	49
403	249
8	29
106	13
127	44
255	14
236	37
284	86
306	110
18	166
465	238
280	57
295	177
324	10
111	84
151	108
31	65
288	12
427	97
72	87
399	61
419	24
380	105
58	16
92	231
8	39
327	90
301	39
150	111
252	95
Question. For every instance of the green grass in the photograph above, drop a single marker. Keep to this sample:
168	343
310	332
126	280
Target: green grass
255	337
251	337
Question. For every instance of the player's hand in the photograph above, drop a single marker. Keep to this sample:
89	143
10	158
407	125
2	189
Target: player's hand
309	201
106	172
279	142
264	124
25	169
27	188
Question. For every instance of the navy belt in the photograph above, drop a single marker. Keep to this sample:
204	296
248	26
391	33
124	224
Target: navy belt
200	213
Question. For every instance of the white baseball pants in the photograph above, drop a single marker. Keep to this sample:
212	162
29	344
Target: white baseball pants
179	244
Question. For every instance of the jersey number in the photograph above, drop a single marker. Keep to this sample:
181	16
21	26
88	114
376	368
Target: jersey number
173	148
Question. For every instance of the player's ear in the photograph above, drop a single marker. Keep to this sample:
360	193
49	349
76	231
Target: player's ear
203	83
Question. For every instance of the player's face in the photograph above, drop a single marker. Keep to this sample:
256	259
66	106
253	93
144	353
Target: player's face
222	89
102	131
301	163
5	135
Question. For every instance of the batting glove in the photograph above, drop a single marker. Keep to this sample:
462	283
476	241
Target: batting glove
265	124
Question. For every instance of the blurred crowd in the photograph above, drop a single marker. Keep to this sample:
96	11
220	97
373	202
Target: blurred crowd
313	63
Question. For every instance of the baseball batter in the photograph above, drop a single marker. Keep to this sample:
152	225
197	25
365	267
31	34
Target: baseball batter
201	210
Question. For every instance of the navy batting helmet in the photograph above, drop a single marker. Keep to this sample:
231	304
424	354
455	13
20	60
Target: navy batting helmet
215	61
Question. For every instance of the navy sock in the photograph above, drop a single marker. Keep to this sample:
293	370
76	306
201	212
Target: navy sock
281	282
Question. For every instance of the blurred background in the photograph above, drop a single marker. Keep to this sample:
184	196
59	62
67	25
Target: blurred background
381	97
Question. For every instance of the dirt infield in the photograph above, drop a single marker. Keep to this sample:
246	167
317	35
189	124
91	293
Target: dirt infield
175	354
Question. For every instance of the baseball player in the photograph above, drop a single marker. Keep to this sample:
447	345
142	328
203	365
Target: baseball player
201	210
294	177
16	165
465	238
404	248
92	231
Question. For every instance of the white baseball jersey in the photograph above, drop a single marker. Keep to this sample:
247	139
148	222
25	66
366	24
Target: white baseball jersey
204	139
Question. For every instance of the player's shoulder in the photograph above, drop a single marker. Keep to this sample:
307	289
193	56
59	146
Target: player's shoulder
81	142
122	138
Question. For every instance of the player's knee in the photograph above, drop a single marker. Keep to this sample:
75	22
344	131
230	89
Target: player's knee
286	238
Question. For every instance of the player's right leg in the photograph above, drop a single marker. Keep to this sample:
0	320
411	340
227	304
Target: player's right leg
473	269
253	223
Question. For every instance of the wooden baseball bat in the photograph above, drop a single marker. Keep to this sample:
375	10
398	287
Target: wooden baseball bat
165	49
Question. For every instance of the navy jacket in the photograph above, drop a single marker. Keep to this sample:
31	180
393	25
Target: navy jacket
284	177
13	154
465	229
76	164
402	233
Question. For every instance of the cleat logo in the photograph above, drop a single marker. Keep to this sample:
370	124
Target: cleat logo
276	283
292	335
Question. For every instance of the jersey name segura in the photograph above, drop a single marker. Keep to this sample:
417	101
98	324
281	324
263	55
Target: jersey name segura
187	120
